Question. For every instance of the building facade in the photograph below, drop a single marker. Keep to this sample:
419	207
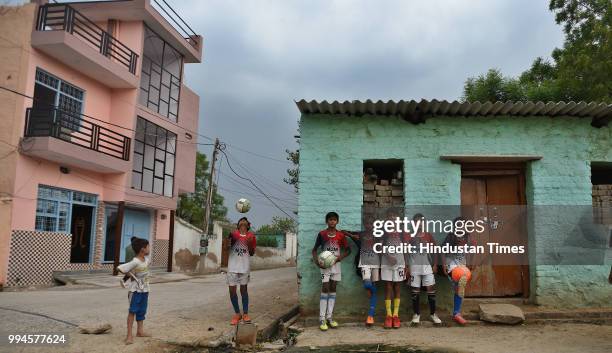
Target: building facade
538	157
98	136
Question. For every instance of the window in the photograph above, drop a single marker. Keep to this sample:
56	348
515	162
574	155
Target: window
54	207
51	92
160	79
154	155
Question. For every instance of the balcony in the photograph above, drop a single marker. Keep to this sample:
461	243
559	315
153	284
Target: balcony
67	35
67	138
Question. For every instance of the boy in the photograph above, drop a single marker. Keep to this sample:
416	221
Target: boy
422	267
369	264
138	296
452	260
242	245
393	272
332	240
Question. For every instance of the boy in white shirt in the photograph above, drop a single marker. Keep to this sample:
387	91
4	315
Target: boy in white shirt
138	286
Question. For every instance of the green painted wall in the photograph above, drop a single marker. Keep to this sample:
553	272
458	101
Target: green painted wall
332	150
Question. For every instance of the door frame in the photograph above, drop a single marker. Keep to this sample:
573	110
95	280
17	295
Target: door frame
505	168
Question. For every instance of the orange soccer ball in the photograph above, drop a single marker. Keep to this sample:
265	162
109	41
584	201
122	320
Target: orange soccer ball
459	272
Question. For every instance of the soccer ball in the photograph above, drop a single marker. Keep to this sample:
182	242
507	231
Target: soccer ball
243	205
327	259
461	271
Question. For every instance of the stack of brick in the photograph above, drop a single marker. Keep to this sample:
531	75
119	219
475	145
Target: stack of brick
602	203
383	193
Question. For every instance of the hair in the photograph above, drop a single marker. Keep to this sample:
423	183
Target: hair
244	219
332	215
139	244
418	216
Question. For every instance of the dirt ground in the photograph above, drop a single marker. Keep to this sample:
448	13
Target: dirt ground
583	338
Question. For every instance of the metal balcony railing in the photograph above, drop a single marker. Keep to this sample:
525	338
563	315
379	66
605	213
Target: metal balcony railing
63	17
71	127
179	24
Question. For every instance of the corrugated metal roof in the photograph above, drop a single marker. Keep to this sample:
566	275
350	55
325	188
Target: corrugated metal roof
418	112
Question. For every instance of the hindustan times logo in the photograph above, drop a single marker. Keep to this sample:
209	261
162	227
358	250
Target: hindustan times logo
459	227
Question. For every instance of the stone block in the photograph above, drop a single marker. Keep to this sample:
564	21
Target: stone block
384	182
383	199
369	186
369	198
384	193
397	182
501	313
382	187
397	192
246	334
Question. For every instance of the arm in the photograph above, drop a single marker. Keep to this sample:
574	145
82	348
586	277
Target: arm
127	267
253	246
346	251
316	246
353	236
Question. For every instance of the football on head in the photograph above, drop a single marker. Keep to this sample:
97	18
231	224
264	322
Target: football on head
243	205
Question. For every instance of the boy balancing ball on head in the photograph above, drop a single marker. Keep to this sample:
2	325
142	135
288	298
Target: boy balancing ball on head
369	263
138	286
393	272
242	246
334	241
422	267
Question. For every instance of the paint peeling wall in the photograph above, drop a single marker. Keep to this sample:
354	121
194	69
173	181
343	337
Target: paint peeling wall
329	145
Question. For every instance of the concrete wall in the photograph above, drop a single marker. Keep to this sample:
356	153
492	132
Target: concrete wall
332	144
186	249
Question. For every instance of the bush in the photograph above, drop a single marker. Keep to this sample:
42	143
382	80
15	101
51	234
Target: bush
267	240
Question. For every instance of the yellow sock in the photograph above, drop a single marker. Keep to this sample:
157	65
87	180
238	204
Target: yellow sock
388	306
396	304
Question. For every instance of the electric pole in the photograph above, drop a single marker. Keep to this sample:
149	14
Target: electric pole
209	194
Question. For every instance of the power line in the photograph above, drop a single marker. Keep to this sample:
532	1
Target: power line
252	188
265	179
253	183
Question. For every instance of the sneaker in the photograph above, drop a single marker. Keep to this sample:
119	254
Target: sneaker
461	286
436	320
416	318
235	319
323	326
369	321
396	322
332	323
388	322
459	319
246	318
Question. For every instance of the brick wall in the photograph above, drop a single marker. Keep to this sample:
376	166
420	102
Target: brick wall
332	150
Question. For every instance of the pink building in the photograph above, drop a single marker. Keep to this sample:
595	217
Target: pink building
98	136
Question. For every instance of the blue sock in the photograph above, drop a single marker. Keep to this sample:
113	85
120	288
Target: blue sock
245	302
372	288
457	304
234	299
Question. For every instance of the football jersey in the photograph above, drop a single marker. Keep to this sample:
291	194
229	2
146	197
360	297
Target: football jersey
394	260
240	246
367	256
333	243
421	262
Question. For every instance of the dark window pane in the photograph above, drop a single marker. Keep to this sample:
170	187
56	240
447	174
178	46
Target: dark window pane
139	147
171	143
151	134
138	162
169	164
159	169
136	180
159	154
161	138
140	129
173	107
163	108
149	156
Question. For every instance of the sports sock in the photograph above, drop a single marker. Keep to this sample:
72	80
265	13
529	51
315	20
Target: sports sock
388	307
323	306
415	303
245	302
331	300
431	298
396	306
234	300
457	304
372	288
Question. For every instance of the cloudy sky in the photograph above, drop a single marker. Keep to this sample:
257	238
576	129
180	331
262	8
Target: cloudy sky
260	56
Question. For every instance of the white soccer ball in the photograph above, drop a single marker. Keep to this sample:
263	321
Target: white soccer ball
327	259
243	205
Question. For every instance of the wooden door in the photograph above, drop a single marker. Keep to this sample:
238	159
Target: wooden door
492	196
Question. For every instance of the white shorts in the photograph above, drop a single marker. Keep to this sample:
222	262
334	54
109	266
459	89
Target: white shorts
327	275
370	273
392	274
235	279
418	281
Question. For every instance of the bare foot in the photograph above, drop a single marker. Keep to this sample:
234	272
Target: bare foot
143	334
129	340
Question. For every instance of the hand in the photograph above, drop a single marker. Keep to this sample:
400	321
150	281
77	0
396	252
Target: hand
435	269
406	270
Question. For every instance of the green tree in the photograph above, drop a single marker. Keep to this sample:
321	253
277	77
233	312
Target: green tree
191	206
580	71
279	225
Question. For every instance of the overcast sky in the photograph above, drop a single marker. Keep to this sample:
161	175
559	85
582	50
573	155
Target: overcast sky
260	56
